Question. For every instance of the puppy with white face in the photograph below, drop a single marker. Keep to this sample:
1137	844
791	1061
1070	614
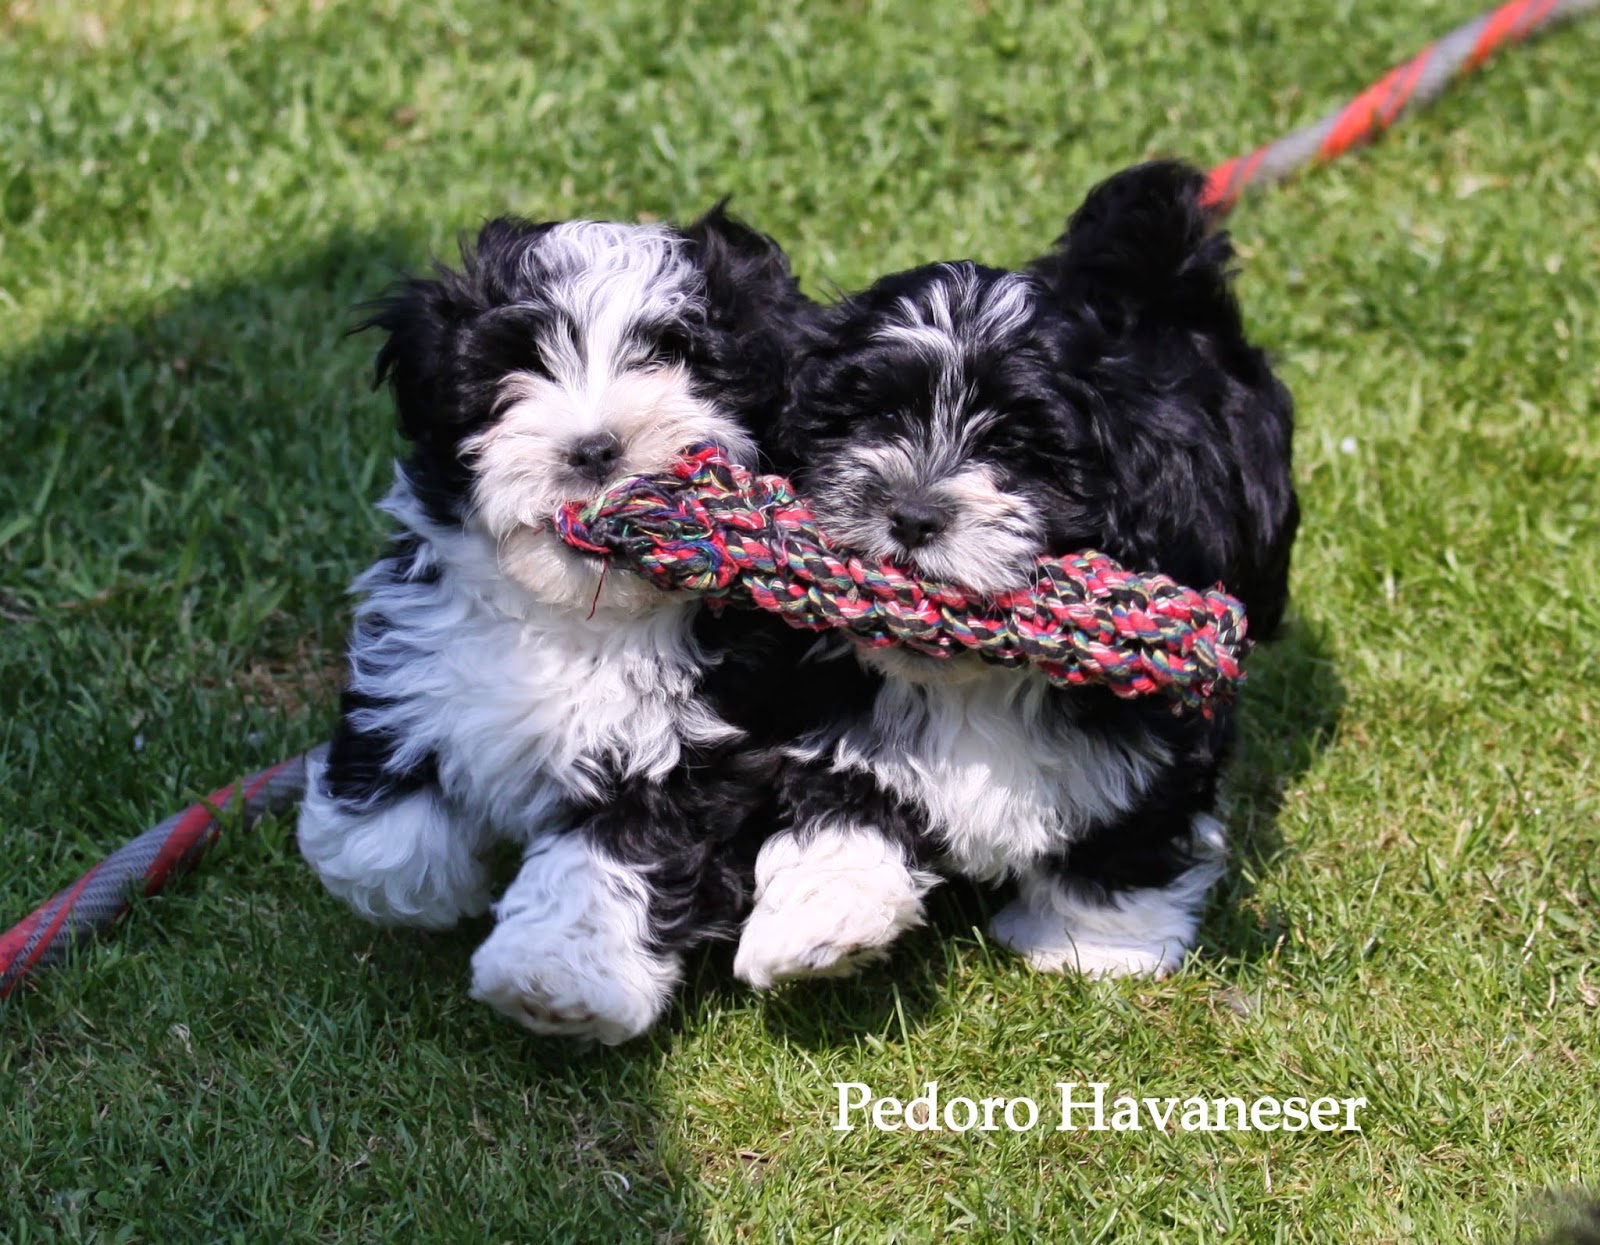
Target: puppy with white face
963	421
501	686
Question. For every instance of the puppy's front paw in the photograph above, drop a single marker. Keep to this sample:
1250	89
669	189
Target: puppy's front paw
1061	926
571	982
827	906
570	954
1050	946
814	941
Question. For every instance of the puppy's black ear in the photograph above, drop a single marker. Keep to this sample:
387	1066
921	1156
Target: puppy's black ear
747	274
423	317
1141	246
417	314
762	318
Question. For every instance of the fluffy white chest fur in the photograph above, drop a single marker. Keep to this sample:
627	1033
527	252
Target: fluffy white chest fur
524	705
1003	778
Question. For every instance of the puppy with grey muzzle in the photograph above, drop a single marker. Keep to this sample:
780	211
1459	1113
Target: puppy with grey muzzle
963	421
501	686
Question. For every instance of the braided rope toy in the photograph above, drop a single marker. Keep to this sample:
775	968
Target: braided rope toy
710	527
100	897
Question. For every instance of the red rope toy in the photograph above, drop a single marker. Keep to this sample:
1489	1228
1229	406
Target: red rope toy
710	527
98	899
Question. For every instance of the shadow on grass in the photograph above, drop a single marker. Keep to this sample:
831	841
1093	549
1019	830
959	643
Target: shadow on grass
194	496
1289	714
1562	1217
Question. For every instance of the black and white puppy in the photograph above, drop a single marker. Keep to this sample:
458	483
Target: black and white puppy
963	421
500	686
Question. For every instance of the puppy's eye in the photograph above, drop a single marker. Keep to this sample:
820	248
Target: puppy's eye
1012	436
855	385
672	345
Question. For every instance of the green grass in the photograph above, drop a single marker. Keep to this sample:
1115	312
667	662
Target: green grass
192	197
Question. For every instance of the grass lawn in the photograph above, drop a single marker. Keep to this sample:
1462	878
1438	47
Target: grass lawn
193	195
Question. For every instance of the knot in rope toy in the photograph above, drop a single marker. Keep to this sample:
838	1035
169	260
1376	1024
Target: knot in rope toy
710	527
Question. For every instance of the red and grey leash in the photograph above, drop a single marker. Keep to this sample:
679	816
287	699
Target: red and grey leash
1377	108
98	899
144	866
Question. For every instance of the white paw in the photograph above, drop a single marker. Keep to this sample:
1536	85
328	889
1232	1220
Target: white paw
1050	946
569	984
1061	928
569	956
827	908
406	863
774	949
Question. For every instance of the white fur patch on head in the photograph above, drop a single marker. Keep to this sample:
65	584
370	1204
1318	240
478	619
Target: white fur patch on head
607	279
570	955
410	862
958	314
1057	927
948	324
827	902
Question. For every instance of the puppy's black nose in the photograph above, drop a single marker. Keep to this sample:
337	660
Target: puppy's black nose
917	521
595	455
